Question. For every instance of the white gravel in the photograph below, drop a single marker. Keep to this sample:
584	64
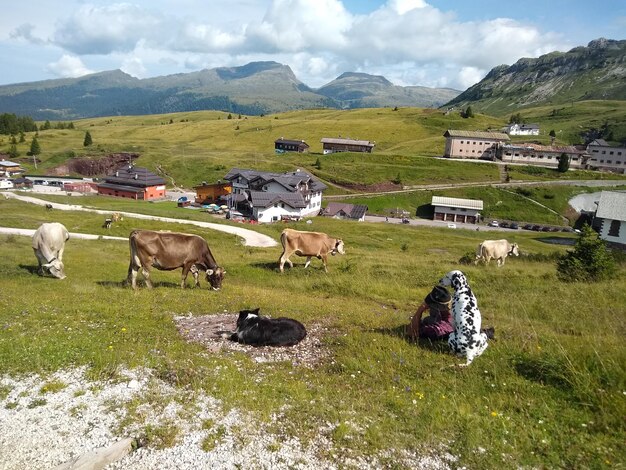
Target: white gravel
40	430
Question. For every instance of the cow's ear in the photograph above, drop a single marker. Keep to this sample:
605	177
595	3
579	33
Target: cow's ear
47	265
209	272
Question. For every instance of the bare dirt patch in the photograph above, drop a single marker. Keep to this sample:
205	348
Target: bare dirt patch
208	330
95	165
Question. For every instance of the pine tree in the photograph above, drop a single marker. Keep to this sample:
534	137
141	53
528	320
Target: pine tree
88	141
46	125
563	163
13	153
35	148
22	137
589	261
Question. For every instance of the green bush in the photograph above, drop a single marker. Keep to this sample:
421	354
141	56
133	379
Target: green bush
589	261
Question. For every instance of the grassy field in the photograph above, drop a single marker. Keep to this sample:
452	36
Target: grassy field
547	393
188	148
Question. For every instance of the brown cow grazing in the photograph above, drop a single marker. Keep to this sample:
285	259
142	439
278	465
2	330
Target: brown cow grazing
167	251
308	244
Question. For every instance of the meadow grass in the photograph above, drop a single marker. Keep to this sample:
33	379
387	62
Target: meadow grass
205	145
548	392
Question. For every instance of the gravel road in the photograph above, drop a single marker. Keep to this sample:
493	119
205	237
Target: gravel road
250	237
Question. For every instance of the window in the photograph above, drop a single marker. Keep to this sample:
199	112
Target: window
614	228
609	161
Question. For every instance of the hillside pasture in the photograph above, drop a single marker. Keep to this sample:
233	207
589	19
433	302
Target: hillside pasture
548	392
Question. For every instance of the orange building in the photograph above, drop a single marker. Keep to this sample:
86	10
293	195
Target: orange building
134	183
211	193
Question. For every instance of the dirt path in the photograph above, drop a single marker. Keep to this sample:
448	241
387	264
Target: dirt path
250	237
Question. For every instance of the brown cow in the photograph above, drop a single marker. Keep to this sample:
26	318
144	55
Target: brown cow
167	251
308	244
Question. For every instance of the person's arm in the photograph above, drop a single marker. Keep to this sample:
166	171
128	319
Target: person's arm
414	326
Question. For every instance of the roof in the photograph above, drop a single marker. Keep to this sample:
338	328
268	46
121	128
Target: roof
612	205
8	163
291	142
600	143
477	135
265	199
544	148
121	187
524	126
134	176
354	211
288	179
365	143
457	202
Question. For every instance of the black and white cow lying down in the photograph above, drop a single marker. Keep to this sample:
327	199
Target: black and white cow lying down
466	340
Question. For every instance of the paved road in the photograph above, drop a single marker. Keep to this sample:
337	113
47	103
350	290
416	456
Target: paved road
250	237
435	223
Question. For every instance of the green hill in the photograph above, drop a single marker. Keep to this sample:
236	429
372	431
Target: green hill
595	72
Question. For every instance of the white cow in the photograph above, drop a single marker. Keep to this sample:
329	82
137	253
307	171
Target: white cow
495	249
48	243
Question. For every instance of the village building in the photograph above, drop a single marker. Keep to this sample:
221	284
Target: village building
340	210
610	218
522	129
212	193
269	197
604	157
285	145
543	155
452	209
9	168
474	144
134	183
22	183
330	145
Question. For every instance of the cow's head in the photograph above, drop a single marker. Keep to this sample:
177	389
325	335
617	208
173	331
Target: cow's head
215	277
453	278
338	248
56	268
514	249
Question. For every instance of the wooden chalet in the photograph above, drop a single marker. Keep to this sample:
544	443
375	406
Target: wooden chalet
134	183
9	168
212	193
285	145
346	145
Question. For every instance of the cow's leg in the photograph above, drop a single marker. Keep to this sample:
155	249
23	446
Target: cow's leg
324	258
500	262
284	258
308	262
146	275
195	272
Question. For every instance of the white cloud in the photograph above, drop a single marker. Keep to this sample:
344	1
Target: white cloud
402	6
68	66
134	66
103	30
408	41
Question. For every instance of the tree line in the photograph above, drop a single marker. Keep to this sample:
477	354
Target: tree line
11	124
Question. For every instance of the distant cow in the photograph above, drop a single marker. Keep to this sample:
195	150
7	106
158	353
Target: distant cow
48	243
107	223
48	207
167	251
116	217
308	244
495	249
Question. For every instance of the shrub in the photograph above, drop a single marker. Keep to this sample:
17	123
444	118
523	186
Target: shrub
589	261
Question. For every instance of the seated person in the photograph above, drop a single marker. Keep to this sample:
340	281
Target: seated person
438	324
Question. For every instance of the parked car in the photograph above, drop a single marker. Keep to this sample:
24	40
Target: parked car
504	224
554	229
493	223
567	229
528	227
451	225
545	229
536	228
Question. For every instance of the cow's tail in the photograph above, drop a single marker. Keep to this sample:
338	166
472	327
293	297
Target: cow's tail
134	259
283	238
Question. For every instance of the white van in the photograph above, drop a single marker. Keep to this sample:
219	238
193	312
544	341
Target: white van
6	184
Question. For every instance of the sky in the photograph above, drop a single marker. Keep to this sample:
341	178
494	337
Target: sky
433	43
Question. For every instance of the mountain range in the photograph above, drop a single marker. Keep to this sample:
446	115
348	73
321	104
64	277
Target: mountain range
255	88
595	72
